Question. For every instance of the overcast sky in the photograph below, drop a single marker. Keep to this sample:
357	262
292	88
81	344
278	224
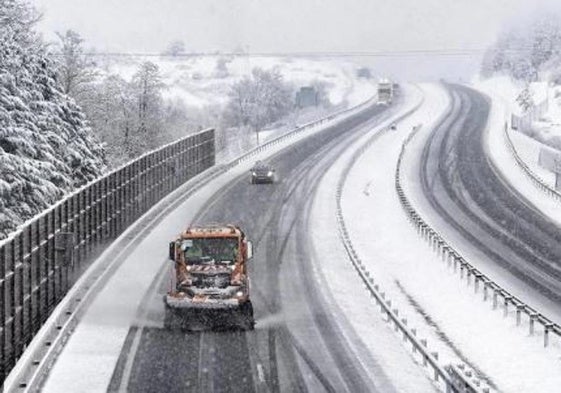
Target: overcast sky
285	25
282	25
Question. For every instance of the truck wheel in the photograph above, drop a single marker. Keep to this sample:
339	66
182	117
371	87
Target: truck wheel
247	321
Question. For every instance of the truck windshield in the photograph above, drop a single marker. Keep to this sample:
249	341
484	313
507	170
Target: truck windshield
210	251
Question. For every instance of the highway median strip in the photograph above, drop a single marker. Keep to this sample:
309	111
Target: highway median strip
450	377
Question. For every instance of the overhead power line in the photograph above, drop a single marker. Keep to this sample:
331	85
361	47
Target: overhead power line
381	53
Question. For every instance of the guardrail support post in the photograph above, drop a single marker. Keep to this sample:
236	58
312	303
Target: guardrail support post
435	356
546	329
424	344
414	333
494	299
518	314
396	312
532	322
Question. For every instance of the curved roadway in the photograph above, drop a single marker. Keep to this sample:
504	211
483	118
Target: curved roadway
466	189
296	345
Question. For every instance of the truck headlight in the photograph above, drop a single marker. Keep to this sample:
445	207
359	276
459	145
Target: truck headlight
239	294
270	173
253	174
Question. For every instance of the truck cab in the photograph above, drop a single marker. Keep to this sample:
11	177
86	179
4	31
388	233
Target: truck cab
211	285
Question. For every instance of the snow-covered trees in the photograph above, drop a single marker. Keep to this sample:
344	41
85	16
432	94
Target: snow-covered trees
175	48
221	68
128	116
46	149
526	52
147	85
259	100
76	70
525	99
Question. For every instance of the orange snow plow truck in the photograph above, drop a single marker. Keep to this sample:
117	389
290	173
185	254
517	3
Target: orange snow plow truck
210	285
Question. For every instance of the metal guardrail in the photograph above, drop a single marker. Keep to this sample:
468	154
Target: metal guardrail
66	321
462	379
453	258
392	314
297	131
537	180
41	261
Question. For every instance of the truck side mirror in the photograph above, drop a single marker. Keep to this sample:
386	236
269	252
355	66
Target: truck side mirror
172	251
249	250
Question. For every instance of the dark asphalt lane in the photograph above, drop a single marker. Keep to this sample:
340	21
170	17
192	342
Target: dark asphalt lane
274	357
466	189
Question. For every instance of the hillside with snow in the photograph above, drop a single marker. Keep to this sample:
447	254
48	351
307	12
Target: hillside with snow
202	81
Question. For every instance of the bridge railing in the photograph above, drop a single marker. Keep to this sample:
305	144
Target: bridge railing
41	261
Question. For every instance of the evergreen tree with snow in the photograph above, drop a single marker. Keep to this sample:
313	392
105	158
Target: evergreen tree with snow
46	148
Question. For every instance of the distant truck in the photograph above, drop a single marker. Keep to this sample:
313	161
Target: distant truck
385	91
210	289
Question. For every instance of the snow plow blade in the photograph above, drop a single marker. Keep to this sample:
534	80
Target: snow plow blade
184	314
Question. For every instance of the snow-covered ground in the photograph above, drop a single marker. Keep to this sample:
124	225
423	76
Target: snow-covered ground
200	84
456	322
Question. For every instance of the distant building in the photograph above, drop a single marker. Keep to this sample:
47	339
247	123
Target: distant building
307	96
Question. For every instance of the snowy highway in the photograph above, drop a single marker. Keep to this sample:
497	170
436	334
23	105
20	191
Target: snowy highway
312	355
262	360
278	197
316	330
468	191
